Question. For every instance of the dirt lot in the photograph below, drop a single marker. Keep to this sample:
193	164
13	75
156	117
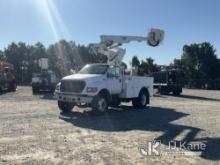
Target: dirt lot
32	130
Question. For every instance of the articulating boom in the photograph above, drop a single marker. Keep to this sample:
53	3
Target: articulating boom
109	45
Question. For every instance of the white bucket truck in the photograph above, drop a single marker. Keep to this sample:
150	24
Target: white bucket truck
103	85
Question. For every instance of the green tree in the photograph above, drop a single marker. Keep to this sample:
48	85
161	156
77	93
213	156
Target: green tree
152	67
17	54
135	62
200	64
36	52
56	60
2	56
177	64
143	68
148	66
124	65
64	56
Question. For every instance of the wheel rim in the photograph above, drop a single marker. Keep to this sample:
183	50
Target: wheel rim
143	99
102	104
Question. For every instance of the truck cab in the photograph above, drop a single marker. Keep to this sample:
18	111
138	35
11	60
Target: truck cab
44	81
103	85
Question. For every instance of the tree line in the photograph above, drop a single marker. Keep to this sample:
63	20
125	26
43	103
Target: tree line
198	62
62	57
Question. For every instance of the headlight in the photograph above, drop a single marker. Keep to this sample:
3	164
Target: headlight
91	89
58	87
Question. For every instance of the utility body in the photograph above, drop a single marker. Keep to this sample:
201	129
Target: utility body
103	85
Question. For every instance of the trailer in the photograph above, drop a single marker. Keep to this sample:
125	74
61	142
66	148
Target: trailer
170	81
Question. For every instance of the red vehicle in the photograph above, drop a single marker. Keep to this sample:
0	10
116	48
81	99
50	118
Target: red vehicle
7	78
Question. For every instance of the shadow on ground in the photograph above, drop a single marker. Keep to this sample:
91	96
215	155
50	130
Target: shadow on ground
198	98
5	92
184	96
152	119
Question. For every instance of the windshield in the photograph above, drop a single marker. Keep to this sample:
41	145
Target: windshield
94	69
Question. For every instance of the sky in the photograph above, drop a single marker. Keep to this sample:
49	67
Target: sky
83	21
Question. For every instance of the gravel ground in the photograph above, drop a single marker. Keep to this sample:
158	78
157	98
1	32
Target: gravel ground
32	131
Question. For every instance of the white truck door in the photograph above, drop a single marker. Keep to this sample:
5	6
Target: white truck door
114	80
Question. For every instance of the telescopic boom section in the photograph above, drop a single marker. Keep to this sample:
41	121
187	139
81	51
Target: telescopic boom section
109	45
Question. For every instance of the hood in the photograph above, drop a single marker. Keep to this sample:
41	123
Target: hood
83	77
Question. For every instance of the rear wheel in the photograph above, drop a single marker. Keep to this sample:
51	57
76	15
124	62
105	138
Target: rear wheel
13	87
35	90
99	104
65	106
142	100
163	90
176	92
1	89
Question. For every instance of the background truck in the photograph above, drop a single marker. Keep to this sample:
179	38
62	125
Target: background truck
7	79
168	82
45	80
103	85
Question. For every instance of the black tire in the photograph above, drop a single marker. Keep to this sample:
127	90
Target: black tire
163	91
35	90
52	90
134	103
142	100
65	106
176	93
99	105
1	91
13	87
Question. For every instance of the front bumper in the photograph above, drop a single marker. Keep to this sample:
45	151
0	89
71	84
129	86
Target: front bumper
75	98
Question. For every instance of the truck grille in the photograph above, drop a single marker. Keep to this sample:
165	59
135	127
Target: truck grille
75	86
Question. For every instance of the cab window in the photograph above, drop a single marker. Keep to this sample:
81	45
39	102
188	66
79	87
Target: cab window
114	72
117	72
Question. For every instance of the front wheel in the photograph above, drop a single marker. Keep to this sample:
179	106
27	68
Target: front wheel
99	104
65	106
176	93
142	100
